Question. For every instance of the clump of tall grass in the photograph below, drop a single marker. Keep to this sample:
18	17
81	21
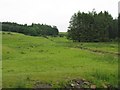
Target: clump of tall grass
106	78
20	84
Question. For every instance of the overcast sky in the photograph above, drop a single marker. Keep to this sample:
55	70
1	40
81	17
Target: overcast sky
51	12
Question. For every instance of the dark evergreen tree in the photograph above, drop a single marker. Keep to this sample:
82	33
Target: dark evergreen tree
92	27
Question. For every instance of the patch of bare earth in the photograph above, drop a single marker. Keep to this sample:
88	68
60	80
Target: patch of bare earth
72	84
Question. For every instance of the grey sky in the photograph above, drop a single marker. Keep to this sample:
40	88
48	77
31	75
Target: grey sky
52	12
119	7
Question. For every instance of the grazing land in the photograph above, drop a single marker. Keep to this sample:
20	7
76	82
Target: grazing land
29	61
0	59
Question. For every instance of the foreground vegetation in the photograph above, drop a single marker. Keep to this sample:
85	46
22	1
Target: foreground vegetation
0	59
29	61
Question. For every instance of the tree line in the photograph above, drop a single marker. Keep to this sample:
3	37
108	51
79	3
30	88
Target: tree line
119	26
33	30
93	27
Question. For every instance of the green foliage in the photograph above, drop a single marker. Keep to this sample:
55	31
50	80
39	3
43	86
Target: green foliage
63	34
92	27
33	30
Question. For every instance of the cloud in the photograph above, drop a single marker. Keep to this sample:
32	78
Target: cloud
52	12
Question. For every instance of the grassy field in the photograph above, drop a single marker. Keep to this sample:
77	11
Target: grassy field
28	60
0	59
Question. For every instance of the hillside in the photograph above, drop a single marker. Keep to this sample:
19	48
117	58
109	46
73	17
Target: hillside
0	59
30	61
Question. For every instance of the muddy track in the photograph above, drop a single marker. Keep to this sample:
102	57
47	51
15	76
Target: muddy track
92	50
98	51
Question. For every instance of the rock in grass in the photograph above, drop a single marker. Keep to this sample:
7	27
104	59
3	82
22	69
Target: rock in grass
104	86
72	85
87	83
93	86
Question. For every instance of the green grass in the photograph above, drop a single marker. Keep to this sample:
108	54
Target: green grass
28	59
0	59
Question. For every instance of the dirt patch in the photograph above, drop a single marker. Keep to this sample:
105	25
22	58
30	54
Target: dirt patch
39	84
78	83
75	83
71	84
97	51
